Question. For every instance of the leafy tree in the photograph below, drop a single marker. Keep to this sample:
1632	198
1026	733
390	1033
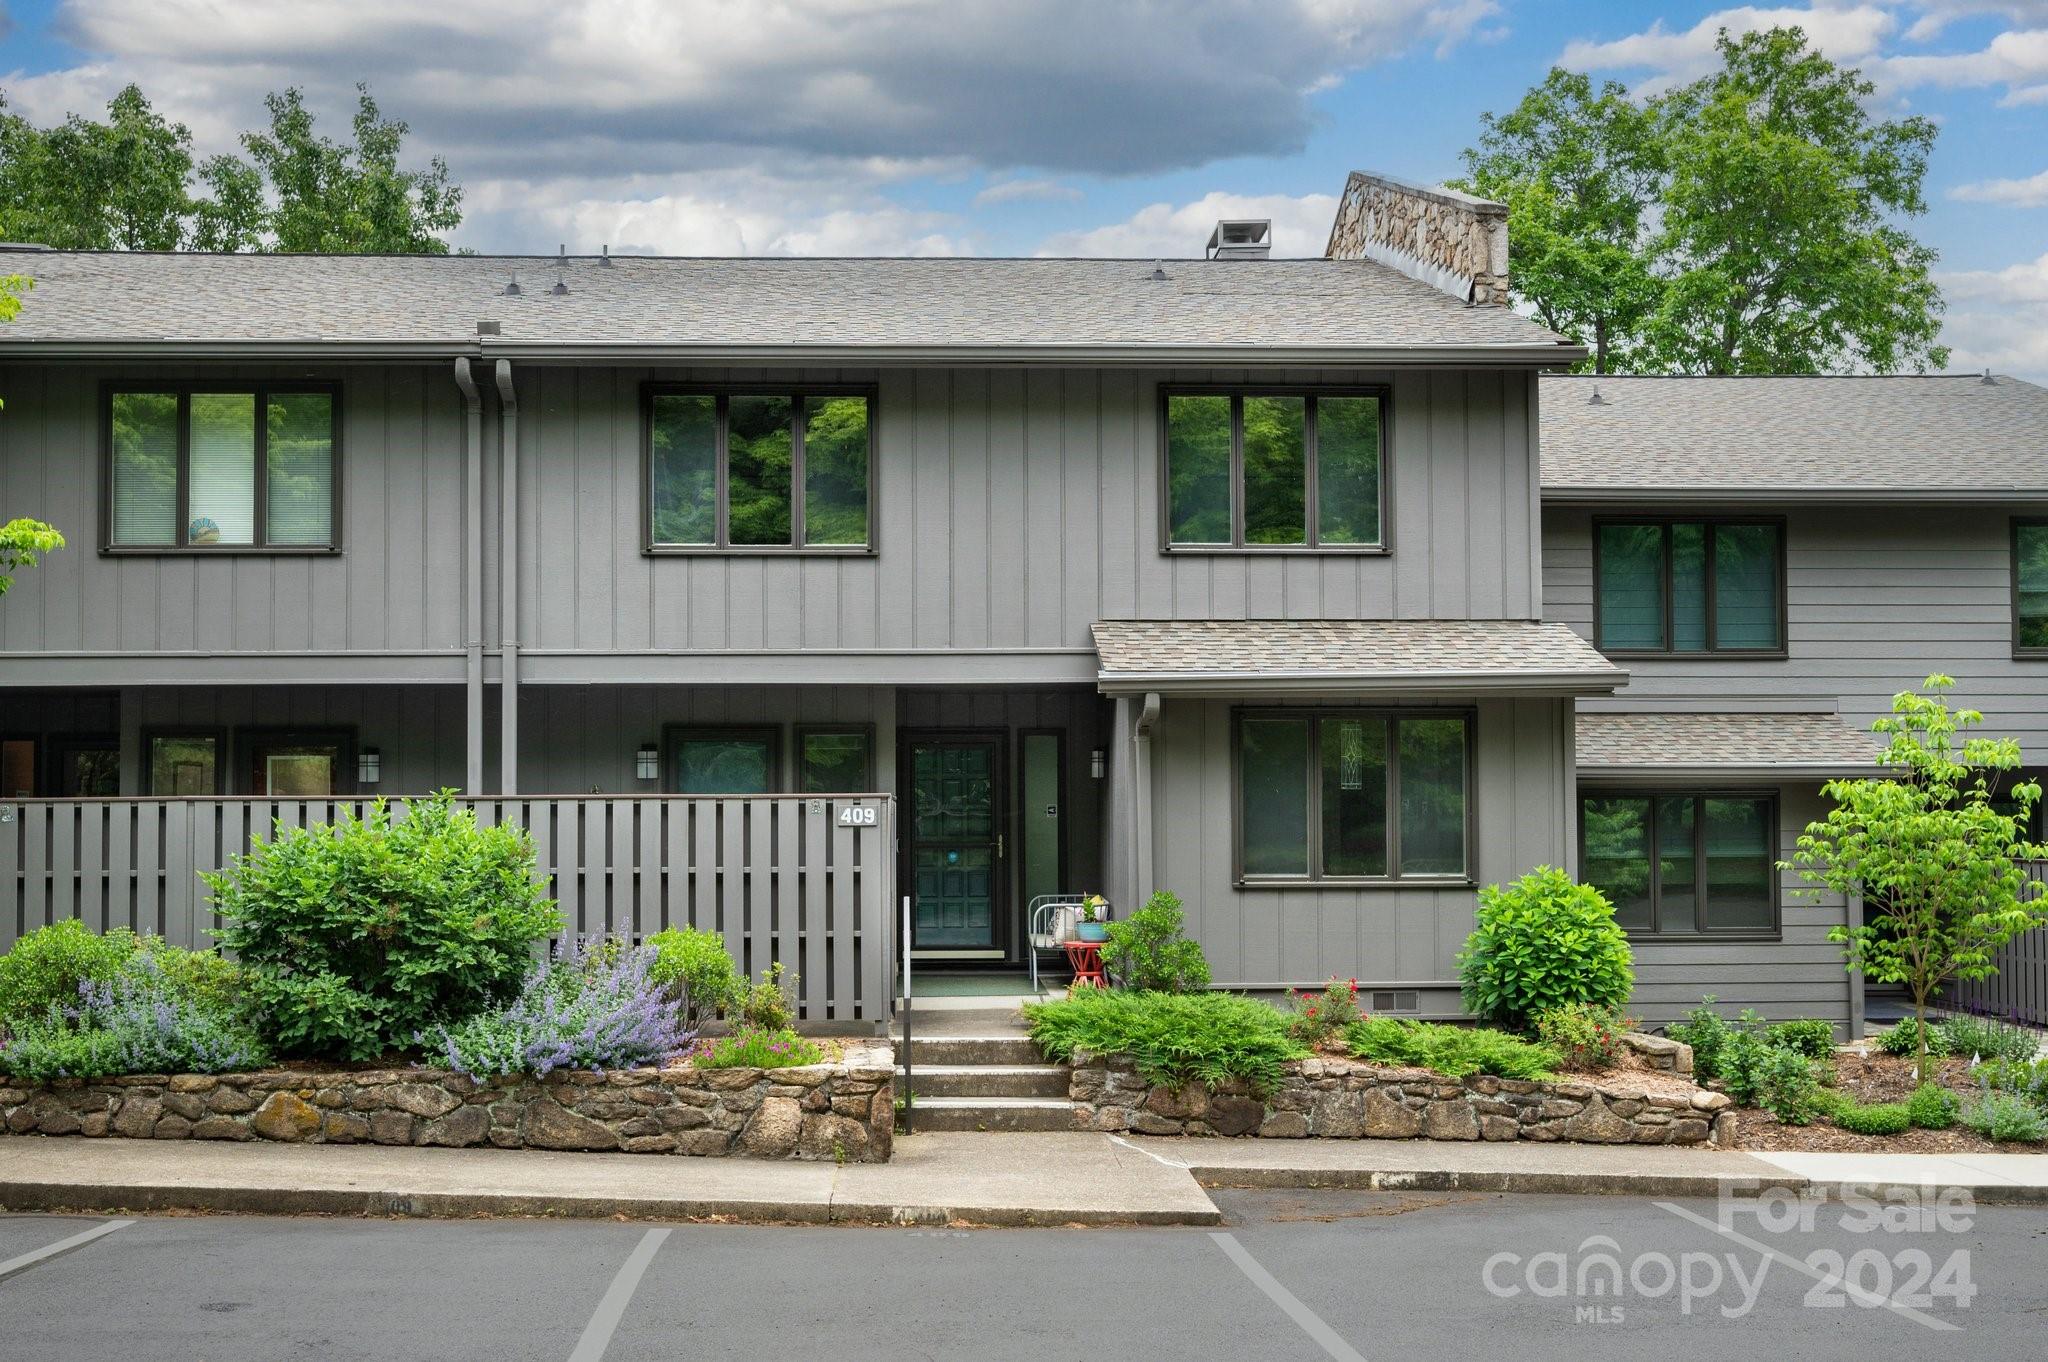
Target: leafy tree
84	185
1746	223
1579	169
1933	849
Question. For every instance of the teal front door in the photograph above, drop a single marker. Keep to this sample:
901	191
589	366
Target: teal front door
955	847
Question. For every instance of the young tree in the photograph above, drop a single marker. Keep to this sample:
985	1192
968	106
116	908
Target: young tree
1780	221
1930	850
1579	169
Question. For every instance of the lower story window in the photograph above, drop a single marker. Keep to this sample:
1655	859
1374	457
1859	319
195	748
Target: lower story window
1350	795
833	761
724	760
183	764
1683	865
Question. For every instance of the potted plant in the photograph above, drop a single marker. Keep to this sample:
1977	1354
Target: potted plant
1090	927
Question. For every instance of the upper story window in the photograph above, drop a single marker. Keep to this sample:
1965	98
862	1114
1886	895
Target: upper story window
2030	588
216	468
1259	469
1689	586
1683	864
1350	795
760	471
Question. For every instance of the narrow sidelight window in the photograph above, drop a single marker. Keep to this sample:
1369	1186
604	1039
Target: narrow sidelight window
221	469
1274	470
759	471
1337	795
2030	587
1689	586
1684	865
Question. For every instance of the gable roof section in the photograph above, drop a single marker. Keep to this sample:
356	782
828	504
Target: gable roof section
1669	744
1347	657
1342	310
1793	438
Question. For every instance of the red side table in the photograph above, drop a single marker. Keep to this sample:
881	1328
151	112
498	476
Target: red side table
1086	958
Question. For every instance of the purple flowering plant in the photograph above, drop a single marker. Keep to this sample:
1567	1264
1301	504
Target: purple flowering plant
140	1021
591	1005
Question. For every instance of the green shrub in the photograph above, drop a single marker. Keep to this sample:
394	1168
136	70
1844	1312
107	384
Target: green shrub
1147	952
1585	1035
208	978
770	1003
1453	1051
2027	1077
755	1047
1786	1085
2006	1116
1708	1033
47	966
1983	1038
1543	942
1315	1017
694	966
140	1021
1883	1118
1808	1035
1172	1038
1903	1038
1932	1107
360	936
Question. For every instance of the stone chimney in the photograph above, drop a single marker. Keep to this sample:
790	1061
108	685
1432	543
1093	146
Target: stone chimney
1451	240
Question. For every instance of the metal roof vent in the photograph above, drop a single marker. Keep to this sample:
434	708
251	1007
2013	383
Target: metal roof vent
561	287
1241	239
1988	381
512	290
561	255
1596	400
1158	275
605	260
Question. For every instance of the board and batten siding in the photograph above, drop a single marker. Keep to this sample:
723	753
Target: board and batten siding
1877	597
1267	938
396	588
1799	975
1014	509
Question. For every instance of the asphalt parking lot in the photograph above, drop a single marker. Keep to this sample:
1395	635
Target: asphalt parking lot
1294	1275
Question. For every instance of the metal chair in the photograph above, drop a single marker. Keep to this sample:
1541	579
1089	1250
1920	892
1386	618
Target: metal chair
1051	919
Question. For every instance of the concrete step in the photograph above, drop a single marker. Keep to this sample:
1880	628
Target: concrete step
987	1049
988	1080
993	1113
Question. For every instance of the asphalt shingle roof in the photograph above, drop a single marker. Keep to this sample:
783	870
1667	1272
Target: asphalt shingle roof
1805	744
1818	436
752	302
1363	654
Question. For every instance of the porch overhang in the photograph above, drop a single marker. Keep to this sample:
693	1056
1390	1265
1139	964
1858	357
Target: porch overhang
1305	659
1663	746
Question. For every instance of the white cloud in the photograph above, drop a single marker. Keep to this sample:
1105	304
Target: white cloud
1026	191
2016	59
1846	34
1998	319
1936	15
2031	192
1301	227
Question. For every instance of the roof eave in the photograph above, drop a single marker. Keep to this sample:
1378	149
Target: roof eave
1802	494
1619	772
1534	684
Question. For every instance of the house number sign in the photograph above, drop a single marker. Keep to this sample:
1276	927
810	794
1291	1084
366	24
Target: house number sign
858	815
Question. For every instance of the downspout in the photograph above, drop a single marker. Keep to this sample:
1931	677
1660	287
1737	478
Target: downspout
473	569
508	581
1141	750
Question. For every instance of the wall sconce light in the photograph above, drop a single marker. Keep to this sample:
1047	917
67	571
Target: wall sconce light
647	762
1098	761
369	766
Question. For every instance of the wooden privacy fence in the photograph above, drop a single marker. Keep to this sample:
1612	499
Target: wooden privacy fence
2019	991
806	880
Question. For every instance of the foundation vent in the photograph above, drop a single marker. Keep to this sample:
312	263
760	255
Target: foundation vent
1393	1000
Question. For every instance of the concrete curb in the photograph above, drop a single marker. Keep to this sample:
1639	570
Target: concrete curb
1662	1185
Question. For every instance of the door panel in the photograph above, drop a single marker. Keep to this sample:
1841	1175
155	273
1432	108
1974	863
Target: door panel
955	844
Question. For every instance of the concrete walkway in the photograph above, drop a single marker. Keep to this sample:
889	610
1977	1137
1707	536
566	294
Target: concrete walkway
967	1178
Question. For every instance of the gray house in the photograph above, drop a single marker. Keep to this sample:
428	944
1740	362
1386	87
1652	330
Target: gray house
769	592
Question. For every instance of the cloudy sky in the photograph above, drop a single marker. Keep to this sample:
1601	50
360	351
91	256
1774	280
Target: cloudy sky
1017	127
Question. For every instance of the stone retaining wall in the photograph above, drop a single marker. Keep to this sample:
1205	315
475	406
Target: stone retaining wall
1345	1099
841	1111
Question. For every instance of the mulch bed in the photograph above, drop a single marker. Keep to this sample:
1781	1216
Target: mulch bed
1869	1077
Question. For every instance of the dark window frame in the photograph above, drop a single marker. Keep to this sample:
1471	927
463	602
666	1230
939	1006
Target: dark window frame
63	745
221	755
723	393
1059	736
1710	523
673	736
1699	932
261	390
2020	651
1311	489
796	748
1315	878
250	741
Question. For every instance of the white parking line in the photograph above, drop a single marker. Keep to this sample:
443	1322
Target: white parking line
62	1246
1328	1339
597	1335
